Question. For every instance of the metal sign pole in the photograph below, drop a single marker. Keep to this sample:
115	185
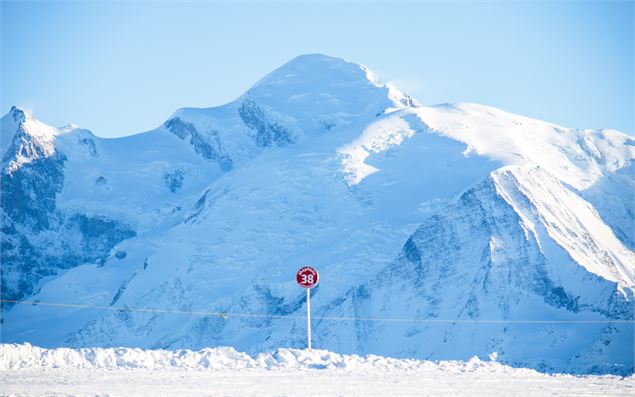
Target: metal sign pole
308	316
307	278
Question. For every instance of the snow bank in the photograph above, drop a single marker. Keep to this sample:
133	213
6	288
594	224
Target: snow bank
26	370
17	356
13	356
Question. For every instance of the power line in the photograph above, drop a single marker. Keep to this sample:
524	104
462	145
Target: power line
226	315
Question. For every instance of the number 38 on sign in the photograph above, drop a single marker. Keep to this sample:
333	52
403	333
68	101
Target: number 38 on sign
307	277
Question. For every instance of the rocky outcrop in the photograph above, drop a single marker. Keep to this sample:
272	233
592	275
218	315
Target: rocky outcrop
208	147
267	133
38	241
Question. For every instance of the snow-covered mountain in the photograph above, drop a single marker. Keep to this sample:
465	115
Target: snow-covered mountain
467	221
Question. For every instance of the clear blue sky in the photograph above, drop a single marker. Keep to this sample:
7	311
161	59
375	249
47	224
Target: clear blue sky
122	68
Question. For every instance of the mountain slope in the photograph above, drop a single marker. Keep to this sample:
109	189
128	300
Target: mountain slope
108	190
596	163
37	240
497	255
497	216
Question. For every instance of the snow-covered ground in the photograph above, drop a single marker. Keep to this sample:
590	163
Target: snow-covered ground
26	370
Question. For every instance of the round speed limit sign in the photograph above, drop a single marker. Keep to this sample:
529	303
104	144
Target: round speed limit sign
307	277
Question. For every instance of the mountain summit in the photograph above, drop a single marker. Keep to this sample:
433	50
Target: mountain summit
439	232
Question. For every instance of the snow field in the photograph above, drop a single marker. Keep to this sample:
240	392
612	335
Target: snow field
26	370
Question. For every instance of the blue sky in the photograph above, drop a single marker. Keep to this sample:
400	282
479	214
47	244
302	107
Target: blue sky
122	68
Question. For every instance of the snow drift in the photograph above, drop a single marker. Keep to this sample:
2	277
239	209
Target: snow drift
23	356
28	370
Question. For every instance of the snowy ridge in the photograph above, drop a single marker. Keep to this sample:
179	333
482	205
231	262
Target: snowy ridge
586	238
596	164
31	139
376	138
576	157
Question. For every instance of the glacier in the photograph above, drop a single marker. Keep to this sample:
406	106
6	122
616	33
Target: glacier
491	232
